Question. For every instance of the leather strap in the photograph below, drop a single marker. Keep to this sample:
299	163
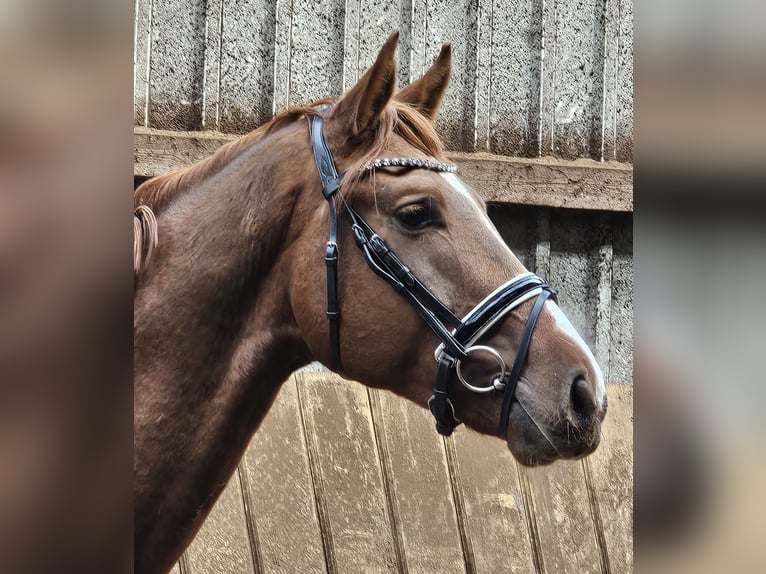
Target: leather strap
399	270
439	404
323	158
496	306
521	355
386	265
331	181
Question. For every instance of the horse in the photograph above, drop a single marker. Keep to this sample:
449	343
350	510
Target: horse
337	232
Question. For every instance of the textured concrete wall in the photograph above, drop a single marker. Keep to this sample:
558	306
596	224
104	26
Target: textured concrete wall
529	78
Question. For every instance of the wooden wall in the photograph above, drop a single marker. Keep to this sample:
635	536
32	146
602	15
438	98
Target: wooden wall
341	478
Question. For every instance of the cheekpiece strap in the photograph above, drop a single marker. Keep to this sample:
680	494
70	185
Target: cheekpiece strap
323	158
439	404
328	174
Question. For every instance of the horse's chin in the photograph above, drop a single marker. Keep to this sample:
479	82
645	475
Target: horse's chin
531	447
526	442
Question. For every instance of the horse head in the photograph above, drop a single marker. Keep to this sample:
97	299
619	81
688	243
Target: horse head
393	177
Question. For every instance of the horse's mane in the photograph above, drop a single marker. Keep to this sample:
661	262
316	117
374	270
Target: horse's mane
157	192
153	195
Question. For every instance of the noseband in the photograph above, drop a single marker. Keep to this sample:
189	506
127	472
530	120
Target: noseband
458	336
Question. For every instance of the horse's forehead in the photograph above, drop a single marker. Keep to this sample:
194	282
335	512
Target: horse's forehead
455	187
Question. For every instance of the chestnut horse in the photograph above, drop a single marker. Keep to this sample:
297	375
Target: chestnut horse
231	298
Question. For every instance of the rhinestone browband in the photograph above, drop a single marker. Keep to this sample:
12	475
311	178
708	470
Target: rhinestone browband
410	162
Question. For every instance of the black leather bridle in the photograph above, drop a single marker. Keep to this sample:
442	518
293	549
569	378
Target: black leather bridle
457	336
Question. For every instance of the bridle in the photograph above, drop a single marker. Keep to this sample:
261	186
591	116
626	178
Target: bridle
458	336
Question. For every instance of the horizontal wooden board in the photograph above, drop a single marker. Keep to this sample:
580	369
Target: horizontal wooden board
577	184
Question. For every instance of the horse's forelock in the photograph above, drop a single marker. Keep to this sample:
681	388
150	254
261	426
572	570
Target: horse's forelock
403	120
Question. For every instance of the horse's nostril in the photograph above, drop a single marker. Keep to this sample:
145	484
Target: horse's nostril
583	399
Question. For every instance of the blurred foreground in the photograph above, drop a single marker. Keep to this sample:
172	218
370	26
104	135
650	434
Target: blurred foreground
65	281
700	238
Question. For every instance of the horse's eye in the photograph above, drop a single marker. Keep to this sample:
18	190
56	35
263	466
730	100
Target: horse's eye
414	216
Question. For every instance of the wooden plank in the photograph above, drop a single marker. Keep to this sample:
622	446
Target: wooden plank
282	53
222	544
157	152
212	72
577	184
580	184
421	486
624	127
496	520
316	67
338	425
609	78
141	60
611	479
518	228
368	23
547	102
280	490
562	514
485	75
602	342
572	102
177	64
618	81
543	244
574	274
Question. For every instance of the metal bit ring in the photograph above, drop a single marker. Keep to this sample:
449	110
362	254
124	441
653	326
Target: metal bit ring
497	381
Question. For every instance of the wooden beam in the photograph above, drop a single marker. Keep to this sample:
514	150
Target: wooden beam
578	184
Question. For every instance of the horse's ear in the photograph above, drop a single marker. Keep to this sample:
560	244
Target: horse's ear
364	102
426	94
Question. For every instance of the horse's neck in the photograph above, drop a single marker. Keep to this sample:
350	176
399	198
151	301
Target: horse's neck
211	290
214	339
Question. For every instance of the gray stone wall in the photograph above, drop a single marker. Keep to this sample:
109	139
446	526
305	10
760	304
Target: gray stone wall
553	77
